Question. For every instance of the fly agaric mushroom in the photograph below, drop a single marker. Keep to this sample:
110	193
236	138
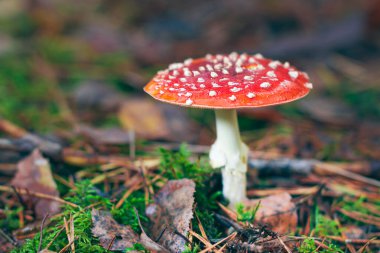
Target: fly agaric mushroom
226	83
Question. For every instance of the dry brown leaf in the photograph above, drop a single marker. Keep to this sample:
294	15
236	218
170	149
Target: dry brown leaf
156	121
278	211
171	214
34	174
108	231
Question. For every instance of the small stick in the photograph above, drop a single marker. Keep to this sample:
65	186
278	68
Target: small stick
21	191
66	247
41	231
55	237
230	237
111	243
127	194
284	245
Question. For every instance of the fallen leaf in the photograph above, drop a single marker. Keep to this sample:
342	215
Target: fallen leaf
157	121
108	231
277	211
171	214
34	174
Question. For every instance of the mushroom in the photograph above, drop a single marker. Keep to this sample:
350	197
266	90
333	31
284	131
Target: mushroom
226	83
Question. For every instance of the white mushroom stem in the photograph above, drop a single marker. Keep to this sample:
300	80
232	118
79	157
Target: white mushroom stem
230	153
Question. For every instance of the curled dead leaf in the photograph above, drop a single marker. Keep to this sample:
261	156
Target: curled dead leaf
34	174
112	235
171	214
277	211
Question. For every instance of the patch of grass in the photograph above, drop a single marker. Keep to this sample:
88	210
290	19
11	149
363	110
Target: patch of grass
246	215
86	195
309	246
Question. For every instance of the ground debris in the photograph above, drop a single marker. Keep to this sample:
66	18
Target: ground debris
112	235
278	211
171	214
34	174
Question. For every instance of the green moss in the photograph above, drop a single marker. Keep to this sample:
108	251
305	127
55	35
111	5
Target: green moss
246	215
309	246
84	196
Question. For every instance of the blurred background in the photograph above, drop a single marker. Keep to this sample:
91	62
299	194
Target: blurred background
70	68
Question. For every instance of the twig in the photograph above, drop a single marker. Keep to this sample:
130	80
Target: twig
66	247
355	241
111	243
348	174
41	231
200	238
55	237
4	188
127	194
7	237
230	237
284	245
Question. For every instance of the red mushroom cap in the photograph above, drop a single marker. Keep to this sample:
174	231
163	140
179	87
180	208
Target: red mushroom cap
229	81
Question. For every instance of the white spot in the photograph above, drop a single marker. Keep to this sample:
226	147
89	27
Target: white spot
238	69
189	101
293	74
187	72
309	85
223	79
161	92
188	61
250	95
208	57
219	57
176	65
225	71
239	62
201	68
202	86
265	85
251	60
232	83
196	73
286	65
176	84
212	93
232	98
171	77
171	89
233	56
274	64
175	72
182	89
218	66
162	72
200	80
284	83
213	74
215	85
271	74
235	89
258	56
188	94
209	67
248	78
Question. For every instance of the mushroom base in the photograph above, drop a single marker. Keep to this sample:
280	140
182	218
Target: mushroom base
230	153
